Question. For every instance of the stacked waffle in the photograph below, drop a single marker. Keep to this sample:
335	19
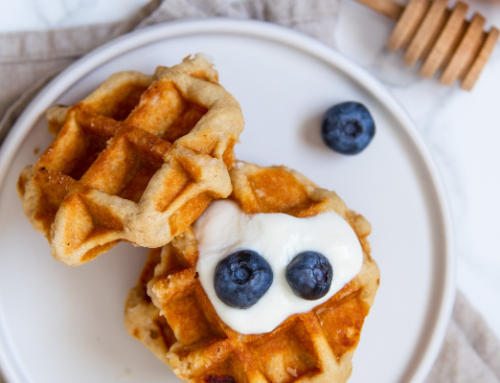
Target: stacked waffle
139	160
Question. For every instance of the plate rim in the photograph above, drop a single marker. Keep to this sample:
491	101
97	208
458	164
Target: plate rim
267	31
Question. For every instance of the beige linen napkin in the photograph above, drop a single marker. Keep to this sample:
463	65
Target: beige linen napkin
470	353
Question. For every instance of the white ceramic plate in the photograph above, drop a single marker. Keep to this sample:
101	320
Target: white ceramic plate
60	324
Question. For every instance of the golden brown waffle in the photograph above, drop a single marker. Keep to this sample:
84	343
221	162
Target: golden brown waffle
138	160
316	346
142	317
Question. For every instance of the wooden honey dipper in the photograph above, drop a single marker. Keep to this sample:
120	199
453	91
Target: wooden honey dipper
440	37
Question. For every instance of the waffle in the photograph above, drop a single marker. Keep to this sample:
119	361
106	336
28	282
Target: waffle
138	160
316	346
142	317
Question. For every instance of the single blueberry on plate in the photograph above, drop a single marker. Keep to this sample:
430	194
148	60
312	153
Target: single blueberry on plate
347	128
242	278
310	275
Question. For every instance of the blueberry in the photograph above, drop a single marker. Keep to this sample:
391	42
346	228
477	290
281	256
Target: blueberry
242	278
347	128
310	275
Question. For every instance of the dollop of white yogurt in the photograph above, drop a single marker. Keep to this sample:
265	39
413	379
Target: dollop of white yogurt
224	229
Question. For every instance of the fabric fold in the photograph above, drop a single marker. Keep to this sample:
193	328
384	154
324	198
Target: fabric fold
470	352
28	57
73	42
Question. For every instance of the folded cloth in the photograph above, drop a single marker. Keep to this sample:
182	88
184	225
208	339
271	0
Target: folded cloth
28	60
470	352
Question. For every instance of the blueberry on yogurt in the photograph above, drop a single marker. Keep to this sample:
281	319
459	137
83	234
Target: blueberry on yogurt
242	278
310	275
347	128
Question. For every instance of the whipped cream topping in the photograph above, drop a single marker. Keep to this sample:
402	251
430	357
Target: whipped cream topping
224	229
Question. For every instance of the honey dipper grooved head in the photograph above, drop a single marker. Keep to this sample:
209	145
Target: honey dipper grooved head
443	40
138	160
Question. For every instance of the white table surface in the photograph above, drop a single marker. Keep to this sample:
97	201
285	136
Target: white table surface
462	129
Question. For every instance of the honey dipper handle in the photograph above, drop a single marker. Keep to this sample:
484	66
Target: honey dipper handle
387	8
